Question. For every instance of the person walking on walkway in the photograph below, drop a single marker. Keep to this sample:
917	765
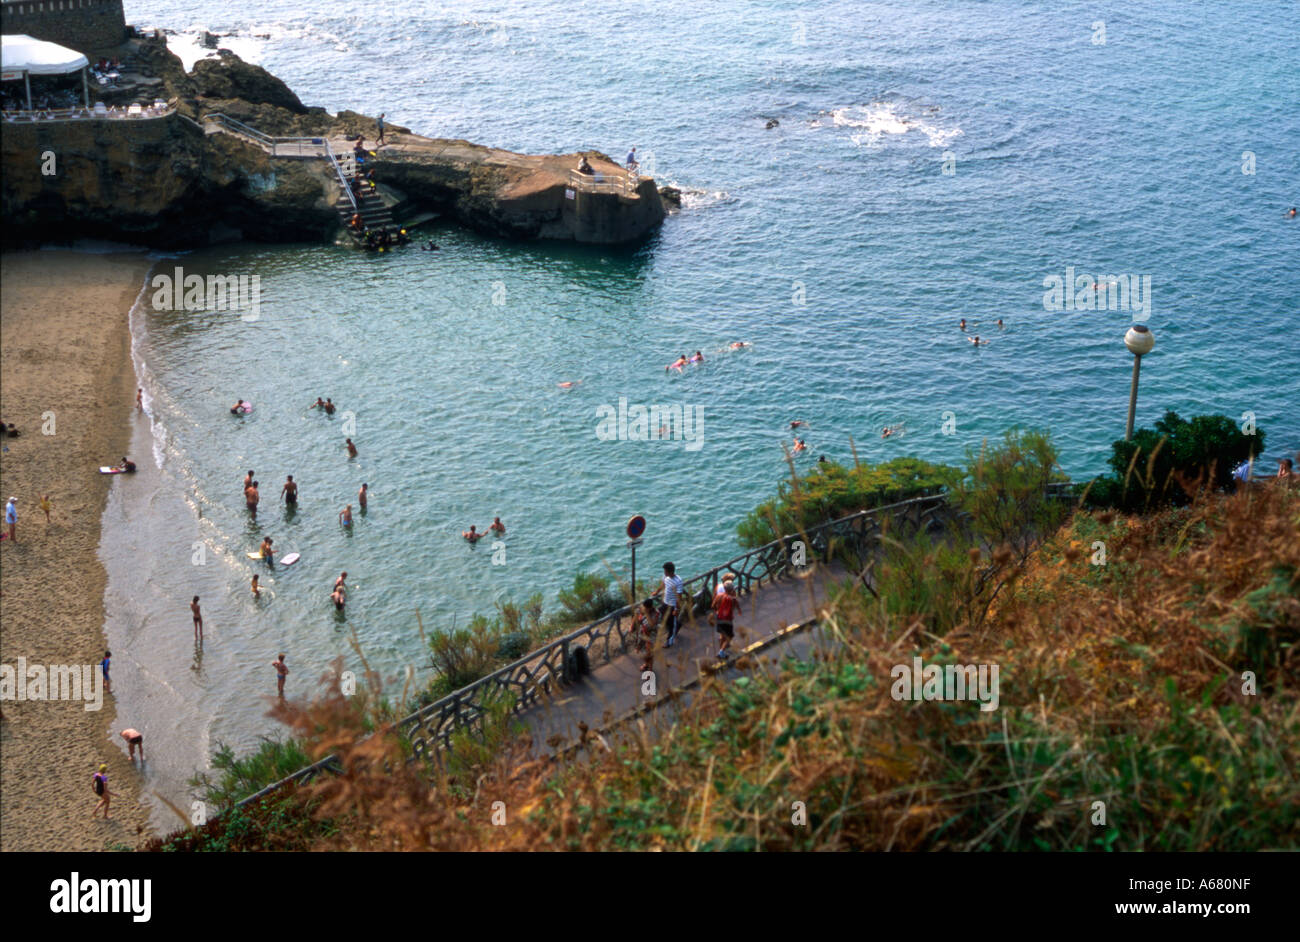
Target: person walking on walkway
380	139
726	606
672	590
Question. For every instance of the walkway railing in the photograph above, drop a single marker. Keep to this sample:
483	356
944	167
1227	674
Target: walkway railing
159	109
522	685
275	146
624	182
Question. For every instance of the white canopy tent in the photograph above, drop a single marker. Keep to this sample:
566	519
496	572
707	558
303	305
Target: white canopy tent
21	56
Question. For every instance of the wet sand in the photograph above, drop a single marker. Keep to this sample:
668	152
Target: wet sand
64	349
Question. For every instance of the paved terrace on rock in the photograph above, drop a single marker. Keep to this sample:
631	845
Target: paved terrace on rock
522	195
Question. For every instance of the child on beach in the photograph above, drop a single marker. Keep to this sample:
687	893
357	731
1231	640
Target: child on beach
281	672
45	506
103	666
102	790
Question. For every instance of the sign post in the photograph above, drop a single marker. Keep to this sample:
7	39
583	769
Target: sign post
635	527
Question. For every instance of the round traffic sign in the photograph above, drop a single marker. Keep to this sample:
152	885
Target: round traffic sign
635	527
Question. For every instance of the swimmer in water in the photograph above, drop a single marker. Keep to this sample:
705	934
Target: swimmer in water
341	582
363	496
962	325
739	345
345	516
886	432
319	403
237	408
257	589
1291	212
1000	327
800	444
267	553
352	449
339	598
472	534
497	526
329	406
569	383
429	247
798	422
977	342
676	364
698	358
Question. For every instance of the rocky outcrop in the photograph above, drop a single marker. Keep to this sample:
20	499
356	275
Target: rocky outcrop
228	76
167	182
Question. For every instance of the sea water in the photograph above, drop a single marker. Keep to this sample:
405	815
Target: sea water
930	162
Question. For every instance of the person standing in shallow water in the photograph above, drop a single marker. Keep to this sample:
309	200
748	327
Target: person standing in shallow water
352	449
198	620
281	672
361	496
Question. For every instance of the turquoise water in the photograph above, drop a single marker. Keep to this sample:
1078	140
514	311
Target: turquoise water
1116	158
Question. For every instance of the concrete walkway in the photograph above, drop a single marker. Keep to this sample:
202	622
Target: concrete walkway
614	688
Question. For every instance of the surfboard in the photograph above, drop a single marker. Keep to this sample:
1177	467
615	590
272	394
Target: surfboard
256	556
103	470
289	559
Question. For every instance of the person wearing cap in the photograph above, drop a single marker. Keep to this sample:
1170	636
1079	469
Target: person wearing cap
102	790
134	739
727	577
11	518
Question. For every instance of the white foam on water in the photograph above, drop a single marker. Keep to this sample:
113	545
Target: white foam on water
871	124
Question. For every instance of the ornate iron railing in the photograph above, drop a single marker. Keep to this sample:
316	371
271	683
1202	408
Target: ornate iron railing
522	684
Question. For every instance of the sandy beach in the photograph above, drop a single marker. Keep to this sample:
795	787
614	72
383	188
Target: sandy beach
64	349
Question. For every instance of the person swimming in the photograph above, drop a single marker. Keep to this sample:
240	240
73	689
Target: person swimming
962	325
339	598
429	247
676	364
237	408
497	525
472	534
569	383
800	444
739	344
889	430
698	358
798	422
977	342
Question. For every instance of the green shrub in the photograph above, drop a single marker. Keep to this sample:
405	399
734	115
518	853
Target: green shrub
592	597
831	491
1171	463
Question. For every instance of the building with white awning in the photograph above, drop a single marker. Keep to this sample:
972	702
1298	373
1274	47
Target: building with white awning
22	57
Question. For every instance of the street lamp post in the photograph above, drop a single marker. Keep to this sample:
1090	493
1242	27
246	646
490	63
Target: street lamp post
1139	341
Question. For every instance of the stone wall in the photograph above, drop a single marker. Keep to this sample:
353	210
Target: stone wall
88	26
